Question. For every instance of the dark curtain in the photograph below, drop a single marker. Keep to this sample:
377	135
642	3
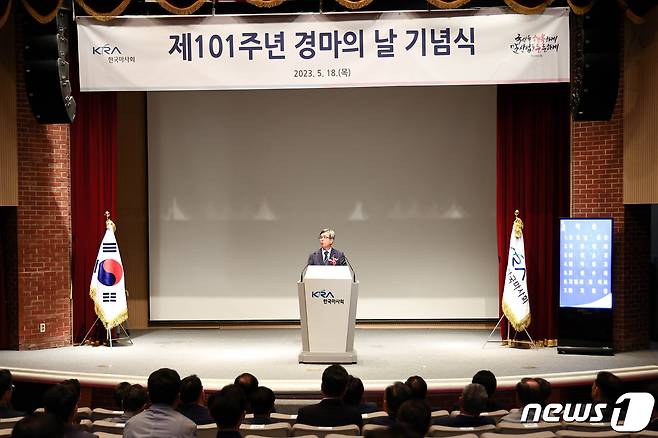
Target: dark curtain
4	300
533	169
93	191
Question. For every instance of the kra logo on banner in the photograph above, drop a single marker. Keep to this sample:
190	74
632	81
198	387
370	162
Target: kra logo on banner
638	414
322	294
105	50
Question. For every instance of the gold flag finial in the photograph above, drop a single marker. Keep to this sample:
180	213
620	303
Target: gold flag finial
109	223
518	225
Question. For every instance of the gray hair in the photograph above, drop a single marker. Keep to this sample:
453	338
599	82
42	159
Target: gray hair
328	232
474	398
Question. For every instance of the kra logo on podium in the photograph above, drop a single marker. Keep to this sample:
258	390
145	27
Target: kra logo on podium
322	294
638	413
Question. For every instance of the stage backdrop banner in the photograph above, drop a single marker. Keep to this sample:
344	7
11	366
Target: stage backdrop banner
322	51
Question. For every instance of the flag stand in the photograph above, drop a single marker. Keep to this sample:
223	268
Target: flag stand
108	334
509	341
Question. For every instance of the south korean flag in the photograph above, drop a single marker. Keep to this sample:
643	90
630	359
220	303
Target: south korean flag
107	287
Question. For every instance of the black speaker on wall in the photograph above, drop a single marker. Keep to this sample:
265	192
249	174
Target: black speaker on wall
595	45
46	63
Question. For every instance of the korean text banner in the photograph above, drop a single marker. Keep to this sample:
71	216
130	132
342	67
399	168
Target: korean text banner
322	51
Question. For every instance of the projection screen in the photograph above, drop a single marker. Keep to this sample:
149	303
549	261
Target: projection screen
242	182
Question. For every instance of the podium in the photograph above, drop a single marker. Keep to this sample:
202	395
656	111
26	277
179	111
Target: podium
327	309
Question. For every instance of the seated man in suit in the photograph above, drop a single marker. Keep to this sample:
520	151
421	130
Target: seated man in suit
6	391
331	411
248	382
192	400
38	425
354	394
606	389
262	404
416	415
395	395
472	402
528	391
160	419
488	379
62	402
228	409
327	255
418	387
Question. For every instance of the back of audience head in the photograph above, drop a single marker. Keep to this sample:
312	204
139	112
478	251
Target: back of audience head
120	393
396	394
353	391
262	401
6	387
418	387
528	391
228	407
247	381
545	390
416	415
191	389
487	379
60	401
474	399
607	387
135	399
39	425
334	381
74	386
164	386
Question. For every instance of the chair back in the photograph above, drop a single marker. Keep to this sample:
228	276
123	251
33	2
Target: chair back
292	405
600	434
544	434
522	428
271	430
586	426
102	414
497	415
446	431
322	432
8	423
5	432
441	413
107	435
107	426
370	428
367	418
206	431
284	418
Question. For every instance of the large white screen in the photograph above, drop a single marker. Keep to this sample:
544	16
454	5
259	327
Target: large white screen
242	182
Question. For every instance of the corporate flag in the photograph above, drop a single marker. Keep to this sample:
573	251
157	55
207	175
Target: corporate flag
107	287
516	304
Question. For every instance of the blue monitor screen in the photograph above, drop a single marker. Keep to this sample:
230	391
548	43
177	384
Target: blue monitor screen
586	263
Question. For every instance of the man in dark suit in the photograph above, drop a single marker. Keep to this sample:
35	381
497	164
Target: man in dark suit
395	395
262	403
228	409
62	402
327	255
192	400
472	402
6	391
331	411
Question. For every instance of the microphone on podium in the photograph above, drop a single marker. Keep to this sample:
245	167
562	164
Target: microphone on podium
351	268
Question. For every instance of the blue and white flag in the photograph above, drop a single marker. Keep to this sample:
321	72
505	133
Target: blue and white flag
516	302
107	287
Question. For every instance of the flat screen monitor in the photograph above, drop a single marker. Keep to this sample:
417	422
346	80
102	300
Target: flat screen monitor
586	263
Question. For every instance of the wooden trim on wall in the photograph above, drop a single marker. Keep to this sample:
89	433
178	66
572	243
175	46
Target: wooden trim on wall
132	212
641	112
8	148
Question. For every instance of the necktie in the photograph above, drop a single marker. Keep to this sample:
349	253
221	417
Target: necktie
326	256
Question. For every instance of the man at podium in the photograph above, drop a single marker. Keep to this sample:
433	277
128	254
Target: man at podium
327	255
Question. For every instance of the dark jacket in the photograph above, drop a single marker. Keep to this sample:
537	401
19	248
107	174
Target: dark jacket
329	412
464	421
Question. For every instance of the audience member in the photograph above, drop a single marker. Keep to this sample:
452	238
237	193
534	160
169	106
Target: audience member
134	402
528	390
416	415
472	403
418	387
354	394
487	379
62	402
6	391
395	395
120	393
161	419
545	389
192	399
228	410
331	411
262	404
248	382
39	425
606	389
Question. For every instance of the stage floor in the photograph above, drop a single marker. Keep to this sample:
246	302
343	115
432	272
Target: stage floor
446	358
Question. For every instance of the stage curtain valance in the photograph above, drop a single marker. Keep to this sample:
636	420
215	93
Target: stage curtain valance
103	10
